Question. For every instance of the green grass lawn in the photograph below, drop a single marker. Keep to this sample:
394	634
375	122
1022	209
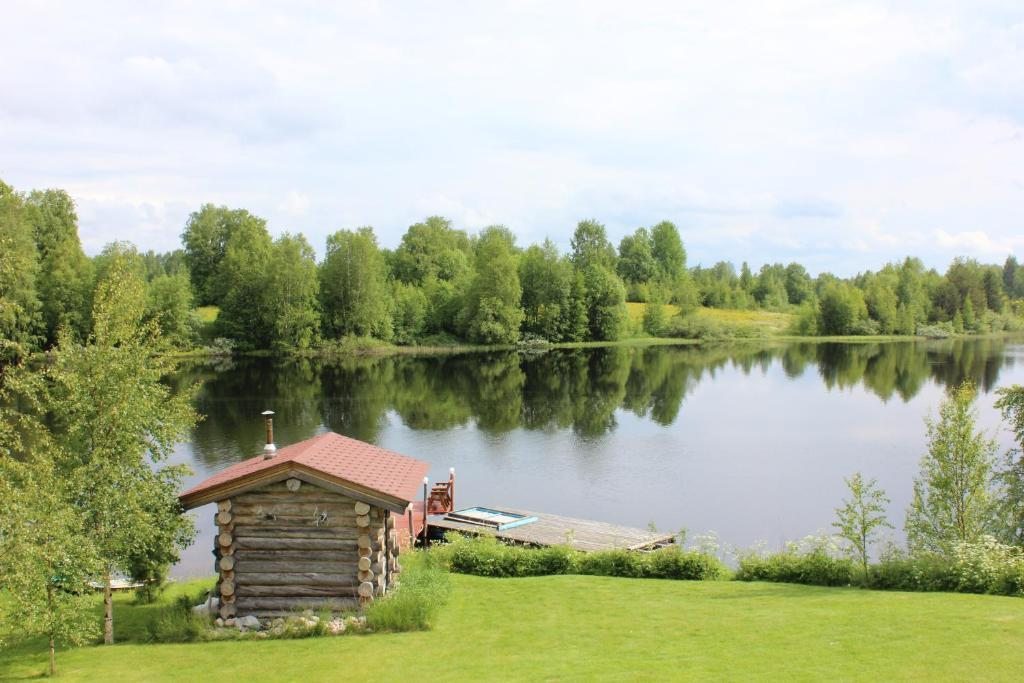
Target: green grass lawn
596	628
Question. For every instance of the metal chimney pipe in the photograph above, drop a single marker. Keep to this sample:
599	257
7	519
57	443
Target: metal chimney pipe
270	448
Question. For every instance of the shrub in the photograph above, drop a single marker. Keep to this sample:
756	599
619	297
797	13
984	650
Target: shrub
423	589
177	623
812	561
920	572
486	556
935	330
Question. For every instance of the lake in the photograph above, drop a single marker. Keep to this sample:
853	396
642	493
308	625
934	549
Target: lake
749	441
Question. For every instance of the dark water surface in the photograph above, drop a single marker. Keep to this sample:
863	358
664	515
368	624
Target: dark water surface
751	442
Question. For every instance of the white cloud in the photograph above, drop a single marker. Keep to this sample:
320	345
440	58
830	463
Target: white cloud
839	134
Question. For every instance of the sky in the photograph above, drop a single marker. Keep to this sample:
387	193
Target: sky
840	135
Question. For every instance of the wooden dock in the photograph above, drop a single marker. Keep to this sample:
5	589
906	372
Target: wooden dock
582	534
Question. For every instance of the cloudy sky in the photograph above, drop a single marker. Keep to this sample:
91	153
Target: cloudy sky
837	134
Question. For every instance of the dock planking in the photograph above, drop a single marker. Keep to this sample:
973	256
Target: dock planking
582	534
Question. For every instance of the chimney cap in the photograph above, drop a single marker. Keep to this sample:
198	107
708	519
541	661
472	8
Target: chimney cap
267	413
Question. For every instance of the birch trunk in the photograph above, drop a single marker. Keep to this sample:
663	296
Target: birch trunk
108	610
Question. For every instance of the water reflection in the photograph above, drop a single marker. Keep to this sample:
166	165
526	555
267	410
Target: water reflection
577	390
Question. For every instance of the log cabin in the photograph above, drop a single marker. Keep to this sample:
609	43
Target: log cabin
309	526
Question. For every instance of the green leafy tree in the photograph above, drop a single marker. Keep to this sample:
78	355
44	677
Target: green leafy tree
438	259
799	286
591	248
547	280
119	302
20	309
65	273
169	305
667	249
862	516
46	556
409	315
432	249
746	278
492	313
1010	475
115	424
243	275
206	237
952	501
970	322
654	317
354	291
636	262
290	296
995	292
605	304
840	307
574	321
45	559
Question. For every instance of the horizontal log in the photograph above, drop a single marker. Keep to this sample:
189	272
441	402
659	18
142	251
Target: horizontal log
295	509
257	566
245	605
364	564
224	538
389	522
361	508
227	563
280	492
365	589
224	505
296	579
227	587
224	518
365	576
293	484
276	543
264	530
296	592
363	520
310	520
298	555
364	552
227	611
363	541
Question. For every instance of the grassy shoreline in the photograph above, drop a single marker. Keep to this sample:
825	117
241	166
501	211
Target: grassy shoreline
384	349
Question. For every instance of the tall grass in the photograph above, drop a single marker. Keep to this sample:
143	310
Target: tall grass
423	589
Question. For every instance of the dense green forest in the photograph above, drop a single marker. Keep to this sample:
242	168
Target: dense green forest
442	286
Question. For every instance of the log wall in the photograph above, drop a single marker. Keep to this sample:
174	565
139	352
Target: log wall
292	546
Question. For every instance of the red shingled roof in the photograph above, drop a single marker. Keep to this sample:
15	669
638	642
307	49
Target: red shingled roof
336	456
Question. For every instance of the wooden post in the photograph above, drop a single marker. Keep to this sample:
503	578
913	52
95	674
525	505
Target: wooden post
426	502
451	487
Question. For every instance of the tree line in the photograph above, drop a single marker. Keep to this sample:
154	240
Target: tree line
441	285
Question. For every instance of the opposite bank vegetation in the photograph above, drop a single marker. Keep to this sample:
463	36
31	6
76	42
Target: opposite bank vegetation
232	287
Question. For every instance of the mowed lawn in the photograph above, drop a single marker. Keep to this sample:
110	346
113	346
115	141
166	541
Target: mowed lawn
595	628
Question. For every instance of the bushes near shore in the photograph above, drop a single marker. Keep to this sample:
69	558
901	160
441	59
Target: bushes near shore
486	556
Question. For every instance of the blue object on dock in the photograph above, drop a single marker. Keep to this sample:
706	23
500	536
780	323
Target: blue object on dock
495	519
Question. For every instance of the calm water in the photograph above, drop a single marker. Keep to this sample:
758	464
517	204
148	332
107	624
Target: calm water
751	442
